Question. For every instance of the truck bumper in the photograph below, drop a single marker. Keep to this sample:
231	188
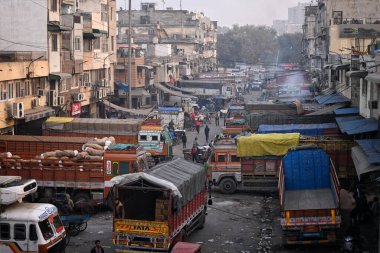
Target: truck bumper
298	237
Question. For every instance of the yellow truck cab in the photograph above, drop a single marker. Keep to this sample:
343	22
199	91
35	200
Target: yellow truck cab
28	227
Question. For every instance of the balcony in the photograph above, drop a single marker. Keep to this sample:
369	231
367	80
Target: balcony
22	56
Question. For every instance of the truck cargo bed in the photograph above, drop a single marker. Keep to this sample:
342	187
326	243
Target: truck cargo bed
309	199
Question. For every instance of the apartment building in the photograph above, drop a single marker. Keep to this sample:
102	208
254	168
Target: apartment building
78	38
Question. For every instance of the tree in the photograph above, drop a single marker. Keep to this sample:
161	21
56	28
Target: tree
290	48
250	44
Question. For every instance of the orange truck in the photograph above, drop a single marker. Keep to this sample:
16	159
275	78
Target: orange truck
161	206
87	181
154	137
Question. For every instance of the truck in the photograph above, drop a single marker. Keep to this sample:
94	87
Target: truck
124	130
231	172
234	127
155	139
28	146
308	190
174	114
162	206
87	181
28	227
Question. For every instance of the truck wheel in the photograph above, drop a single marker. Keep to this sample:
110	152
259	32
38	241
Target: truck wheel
227	186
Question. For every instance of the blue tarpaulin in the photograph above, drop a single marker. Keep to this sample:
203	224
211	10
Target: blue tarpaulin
122	86
304	129
345	111
332	99
356	125
236	107
371	148
170	109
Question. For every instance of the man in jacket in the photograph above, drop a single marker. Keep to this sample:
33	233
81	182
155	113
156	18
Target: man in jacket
98	248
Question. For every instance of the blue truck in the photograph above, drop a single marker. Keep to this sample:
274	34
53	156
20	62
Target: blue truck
308	190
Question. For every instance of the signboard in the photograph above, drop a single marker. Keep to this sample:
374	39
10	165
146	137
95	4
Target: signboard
75	109
359	31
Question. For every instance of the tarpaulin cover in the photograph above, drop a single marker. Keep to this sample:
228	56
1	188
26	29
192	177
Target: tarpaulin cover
59	120
304	129
266	144
185	179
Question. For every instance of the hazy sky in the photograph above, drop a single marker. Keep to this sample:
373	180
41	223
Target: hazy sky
229	12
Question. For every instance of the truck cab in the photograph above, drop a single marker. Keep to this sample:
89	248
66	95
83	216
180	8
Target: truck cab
27	227
155	139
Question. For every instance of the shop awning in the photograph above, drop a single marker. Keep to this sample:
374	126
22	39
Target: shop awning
341	66
139	93
38	113
327	109
357	73
131	111
172	92
59	76
144	67
346	111
331	99
91	35
375	78
357	125
371	148
121	86
361	163
177	89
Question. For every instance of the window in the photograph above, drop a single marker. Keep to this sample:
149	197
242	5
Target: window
19	232
87	45
33	232
54	42
104	14
5	231
115	168
3	91
53	5
221	158
124	168
144	20
104	44
37	84
234	158
10	90
77	43
111	14
46	230
97	43
154	138
112	43
143	137
20	89
27	88
57	224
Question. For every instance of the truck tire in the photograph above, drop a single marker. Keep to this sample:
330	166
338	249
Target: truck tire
227	186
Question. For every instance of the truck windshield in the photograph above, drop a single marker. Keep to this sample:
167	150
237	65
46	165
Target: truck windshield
46	229
57	224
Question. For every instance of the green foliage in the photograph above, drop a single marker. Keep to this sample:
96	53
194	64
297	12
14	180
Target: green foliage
290	47
250	44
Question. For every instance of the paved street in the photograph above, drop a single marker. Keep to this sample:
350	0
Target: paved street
242	222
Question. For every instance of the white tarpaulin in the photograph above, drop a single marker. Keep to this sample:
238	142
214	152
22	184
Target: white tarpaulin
133	111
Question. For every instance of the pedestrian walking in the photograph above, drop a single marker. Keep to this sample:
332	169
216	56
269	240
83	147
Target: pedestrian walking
207	131
184	140
217	119
98	247
194	152
198	125
119	209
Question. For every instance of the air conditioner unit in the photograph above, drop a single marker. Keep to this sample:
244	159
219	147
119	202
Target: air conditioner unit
99	94
41	92
78	97
18	110
61	100
35	102
52	98
373	104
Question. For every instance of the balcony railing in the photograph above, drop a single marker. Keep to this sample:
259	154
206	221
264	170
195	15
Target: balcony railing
356	21
21	56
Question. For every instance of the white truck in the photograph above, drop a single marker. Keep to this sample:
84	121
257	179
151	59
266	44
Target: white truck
176	114
28	227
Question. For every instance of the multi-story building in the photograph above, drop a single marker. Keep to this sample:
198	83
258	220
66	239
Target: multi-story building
294	22
296	14
172	37
78	38
309	38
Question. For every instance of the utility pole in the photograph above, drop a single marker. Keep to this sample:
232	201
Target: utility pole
129	55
